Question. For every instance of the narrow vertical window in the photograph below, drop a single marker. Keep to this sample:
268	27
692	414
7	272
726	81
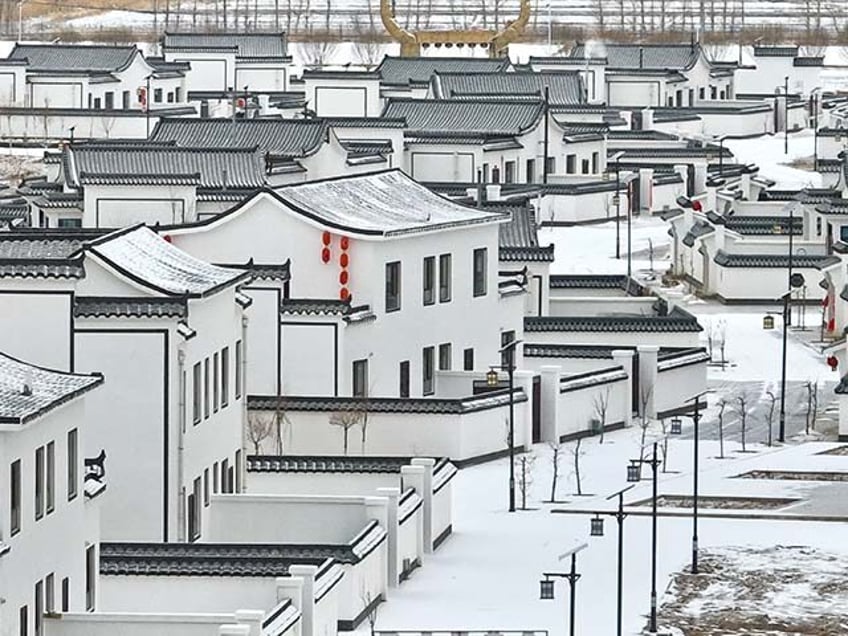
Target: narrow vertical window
38	609
23	619
216	377
206	395
205	486
238	369
360	378
404	379
444	278
15	497
90	578
427	370
225	376
51	477
49	594
194	510
507	355
429	282
393	286
468	360
39	482
66	594
73	470
445	357
238	470
225	474
197	392
480	266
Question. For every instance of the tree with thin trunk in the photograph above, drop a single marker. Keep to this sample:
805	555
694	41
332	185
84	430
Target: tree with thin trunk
812	388
722	405
772	406
259	427
576	454
600	405
556	455
742	409
722	341
664	445
367	602
346	419
525	476
645	393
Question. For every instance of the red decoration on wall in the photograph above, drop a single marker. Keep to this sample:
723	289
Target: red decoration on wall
343	276
344	294
831	324
167	238
344	260
832	362
345	242
325	237
325	254
826	300
696	205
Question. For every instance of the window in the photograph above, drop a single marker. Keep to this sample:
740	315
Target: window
39	607
73	451
194	511
818	226
496	174
670	100
97	103
69	222
170	97
215	379
238	369
66	594
468	359
177	94
51	477
428	370
15	497
584	164
550	162
530	174
110	100
429	282
404	379
393	286
225	376
39	482
226	486
485	173
712	92
90	578
722	94
570	164
445	357
360	378
206	388
125	100
701	93
509	172
49	594
480	257
238	470
157	95
596	163
196	395
507	356
205	486
444	278
23	618
215	487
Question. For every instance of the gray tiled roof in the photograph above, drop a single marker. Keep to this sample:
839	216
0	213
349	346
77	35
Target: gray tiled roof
315	306
678	57
28	391
588	281
676	321
284	137
205	559
41	254
773	260
775	51
153	262
484	117
245	45
564	87
208	167
87	58
418	70
129	307
698	229
382	203
518	240
324	464
763	225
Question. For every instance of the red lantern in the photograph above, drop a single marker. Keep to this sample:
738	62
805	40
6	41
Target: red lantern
325	254
826	300
343	277
832	362
696	205
167	238
325	237
831	324
344	294
345	242
344	260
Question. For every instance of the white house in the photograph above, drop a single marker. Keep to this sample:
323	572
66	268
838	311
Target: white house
341	93
772	64
49	527
130	295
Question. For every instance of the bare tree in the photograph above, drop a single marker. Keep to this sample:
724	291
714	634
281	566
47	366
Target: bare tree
742	409
368	46
664	445
710	338
259	427
346	420
282	424
772	406
367	601
645	394
315	52
812	388
576	454
722	404
600	406
722	341
525	476
556	456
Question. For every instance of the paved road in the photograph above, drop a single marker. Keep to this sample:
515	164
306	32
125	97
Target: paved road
758	406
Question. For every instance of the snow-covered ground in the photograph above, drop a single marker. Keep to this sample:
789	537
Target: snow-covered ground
767	152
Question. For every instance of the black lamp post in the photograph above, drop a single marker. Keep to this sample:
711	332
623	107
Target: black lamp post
596	529
786	319
147	99
786	115
546	585
617	201
492	381
633	475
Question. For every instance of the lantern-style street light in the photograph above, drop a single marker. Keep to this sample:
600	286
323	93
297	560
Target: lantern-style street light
546	585
492	381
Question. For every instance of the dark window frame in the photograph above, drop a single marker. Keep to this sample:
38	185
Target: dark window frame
468	359
428	371
73	464
15	500
480	267
393	286
403	389
428	283
197	392
445	277
50	478
225	377
445	356
359	378
39	483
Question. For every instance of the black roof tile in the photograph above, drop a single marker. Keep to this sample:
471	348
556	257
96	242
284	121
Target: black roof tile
129	307
405	71
773	260
244	44
676	321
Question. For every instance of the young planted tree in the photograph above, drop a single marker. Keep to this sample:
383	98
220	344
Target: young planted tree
722	405
259	427
371	607
282	424
742	410
346	420
722	341
600	406
556	455
812	388
645	394
525	476
576	454
664	445
772	405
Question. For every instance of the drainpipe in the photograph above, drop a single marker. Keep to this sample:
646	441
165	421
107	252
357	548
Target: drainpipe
181	521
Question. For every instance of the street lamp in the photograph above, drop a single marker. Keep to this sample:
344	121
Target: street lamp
617	201
492	381
546	585
786	115
147	98
814	107
596	529
654	462
787	308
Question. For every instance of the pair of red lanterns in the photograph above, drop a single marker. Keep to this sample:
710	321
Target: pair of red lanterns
344	261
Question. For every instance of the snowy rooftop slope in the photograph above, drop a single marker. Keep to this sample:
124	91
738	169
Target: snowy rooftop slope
417	70
28	391
153	262
564	87
288	137
484	117
382	203
246	45
679	57
86	58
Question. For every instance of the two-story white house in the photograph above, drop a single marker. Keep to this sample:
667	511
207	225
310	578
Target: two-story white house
168	333
49	528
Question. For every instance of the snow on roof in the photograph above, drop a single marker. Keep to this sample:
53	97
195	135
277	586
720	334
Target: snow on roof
680	57
28	391
478	116
383	203
74	57
245	45
150	260
564	87
417	70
